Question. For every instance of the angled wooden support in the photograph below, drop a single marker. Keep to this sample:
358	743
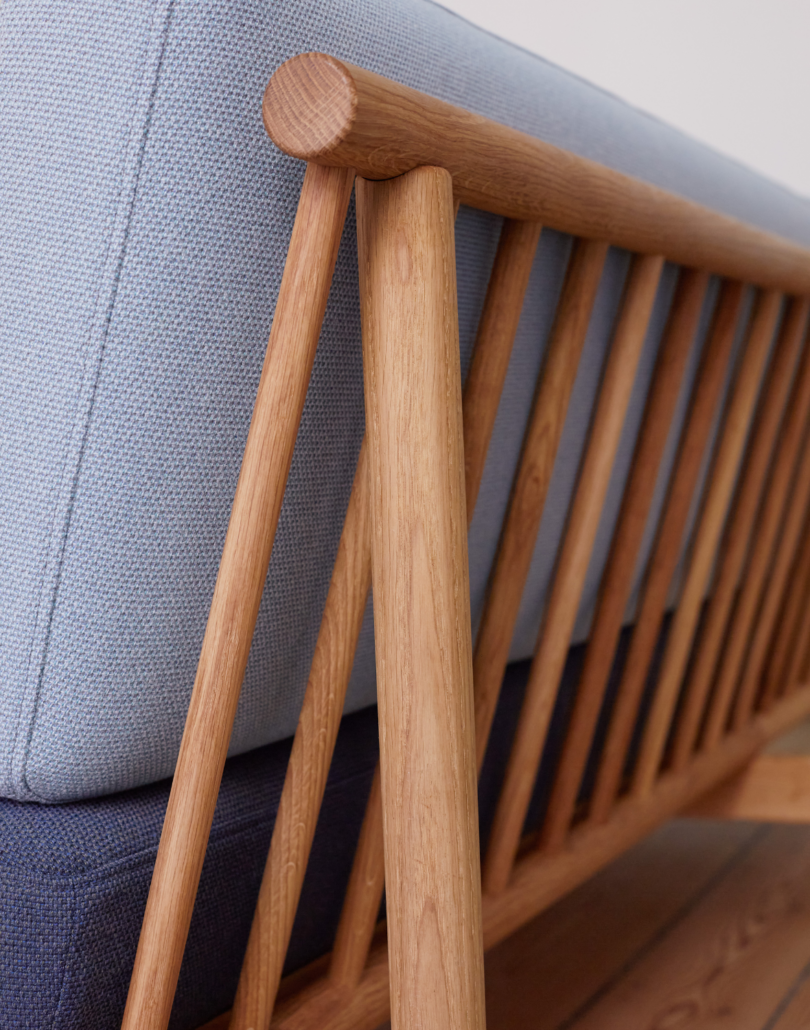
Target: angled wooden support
237	594
421	597
772	789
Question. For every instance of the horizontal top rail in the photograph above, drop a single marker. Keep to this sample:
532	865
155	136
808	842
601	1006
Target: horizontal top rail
333	113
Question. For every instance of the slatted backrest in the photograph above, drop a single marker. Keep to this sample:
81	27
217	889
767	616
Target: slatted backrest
731	656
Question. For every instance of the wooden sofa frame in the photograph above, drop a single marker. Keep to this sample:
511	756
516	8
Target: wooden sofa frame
725	687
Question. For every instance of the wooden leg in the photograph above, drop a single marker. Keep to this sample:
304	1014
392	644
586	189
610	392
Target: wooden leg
235	605
421	599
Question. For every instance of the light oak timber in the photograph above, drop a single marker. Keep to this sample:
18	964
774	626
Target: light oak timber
769	521
789	541
784	646
617	580
482	392
772	789
541	879
564	600
493	347
737	535
722	478
706	395
243	569
421	599
321	109
308	766
797	669
540	443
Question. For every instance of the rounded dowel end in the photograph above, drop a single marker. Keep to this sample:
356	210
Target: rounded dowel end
309	105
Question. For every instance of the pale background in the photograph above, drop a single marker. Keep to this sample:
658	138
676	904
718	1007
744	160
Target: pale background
732	73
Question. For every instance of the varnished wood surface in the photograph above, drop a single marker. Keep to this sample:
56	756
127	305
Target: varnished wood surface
540	443
736	537
664	559
736	423
730	950
282	388
614	591
308	766
773	788
786	649
421	599
572	565
325	110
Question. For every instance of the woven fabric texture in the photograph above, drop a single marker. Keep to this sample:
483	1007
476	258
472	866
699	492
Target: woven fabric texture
143	228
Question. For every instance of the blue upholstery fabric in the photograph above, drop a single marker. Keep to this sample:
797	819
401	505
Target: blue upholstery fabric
143	227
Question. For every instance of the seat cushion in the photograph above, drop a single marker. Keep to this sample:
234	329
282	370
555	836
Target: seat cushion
143	228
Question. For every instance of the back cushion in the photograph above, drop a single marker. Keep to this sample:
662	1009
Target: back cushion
143	229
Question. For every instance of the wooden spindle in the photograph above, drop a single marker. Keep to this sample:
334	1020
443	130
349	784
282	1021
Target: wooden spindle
308	767
661	568
725	467
555	633
242	572
522	522
617	580
737	534
769	521
421	599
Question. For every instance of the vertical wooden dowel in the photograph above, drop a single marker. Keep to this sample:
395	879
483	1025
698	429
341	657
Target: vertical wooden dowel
776	502
706	393
482	393
715	506
493	345
522	522
237	594
783	644
737	534
421	599
308	767
563	604
789	541
617	580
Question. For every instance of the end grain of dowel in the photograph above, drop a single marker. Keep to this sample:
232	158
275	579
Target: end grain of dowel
321	109
617	580
421	599
235	605
715	506
664	559
522	522
555	632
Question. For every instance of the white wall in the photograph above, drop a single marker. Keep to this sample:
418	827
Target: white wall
732	73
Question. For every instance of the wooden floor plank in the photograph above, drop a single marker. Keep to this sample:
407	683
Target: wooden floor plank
545	973
794	1011
732	959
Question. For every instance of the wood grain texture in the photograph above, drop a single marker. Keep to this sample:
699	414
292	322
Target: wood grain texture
737	534
522	522
308	767
790	539
493	345
785	651
772	789
361	905
736	424
664	560
732	958
240	581
572	566
421	599
325	110
617	580
797	668
769	521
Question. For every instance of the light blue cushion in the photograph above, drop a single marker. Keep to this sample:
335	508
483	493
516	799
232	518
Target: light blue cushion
144	219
